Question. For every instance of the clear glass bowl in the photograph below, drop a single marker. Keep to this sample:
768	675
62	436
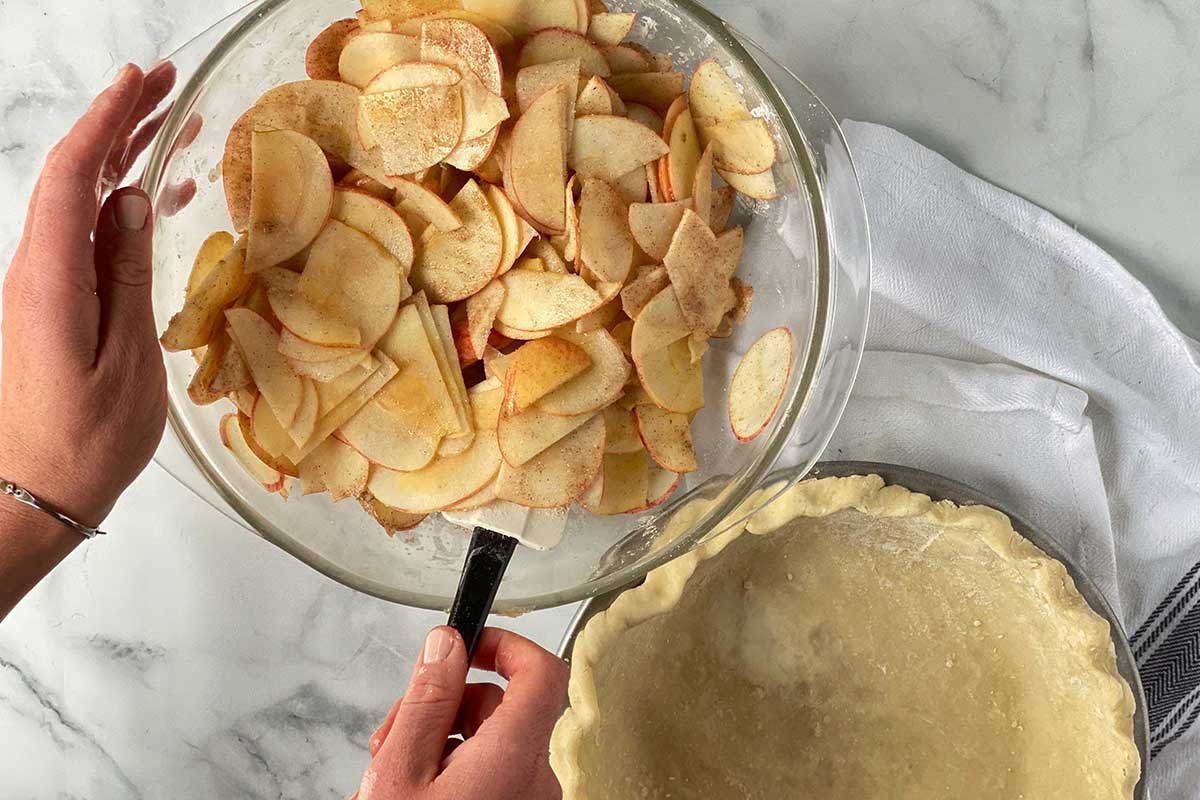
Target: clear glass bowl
807	255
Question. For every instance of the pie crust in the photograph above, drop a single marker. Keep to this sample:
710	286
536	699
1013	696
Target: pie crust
880	645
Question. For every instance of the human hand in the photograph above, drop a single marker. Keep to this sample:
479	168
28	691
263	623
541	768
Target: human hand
83	390
506	733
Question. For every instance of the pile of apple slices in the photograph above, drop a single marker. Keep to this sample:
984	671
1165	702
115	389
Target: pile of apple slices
482	253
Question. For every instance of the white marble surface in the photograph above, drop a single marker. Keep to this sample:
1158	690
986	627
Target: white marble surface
185	658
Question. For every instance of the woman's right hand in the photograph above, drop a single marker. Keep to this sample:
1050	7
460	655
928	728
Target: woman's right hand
505	750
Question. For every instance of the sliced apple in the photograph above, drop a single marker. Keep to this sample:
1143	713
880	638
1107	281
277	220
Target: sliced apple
623	333
431	408
378	219
198	320
487	398
542	301
602	317
660	485
652	184
596	387
610	29
654	89
667	437
759	383
335	468
299	349
557	44
761	186
552	260
357	179
428	204
464	46
474	325
392	520
653	226
443	483
369	53
534	81
222	370
212	252
413	128
670	377
632	187
609	147
522	436
644	115
324	326
516	334
500	36
381	433
244	399
456	264
744	293
722	207
535	172
441	318
605	243
290	197
677	170
483	111
324	111
231	435
744	146
594	98
626	59
714	95
659	323
330	394
326	371
333	418
393	11
539	367
321	59
259	344
638	293
558	475
624	484
516	231
353	274
523	17
306	414
621	435
693	264
702	187
476	501
267	438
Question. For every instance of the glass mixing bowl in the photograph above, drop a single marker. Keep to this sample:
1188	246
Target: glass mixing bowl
807	256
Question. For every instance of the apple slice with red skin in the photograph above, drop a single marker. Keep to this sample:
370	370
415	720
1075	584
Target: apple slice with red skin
277	462
428	204
523	17
557	44
212	252
321	58
413	128
700	268
605	242
660	485
333	418
538	368
421	391
610	147
291	196
558	475
742	146
535	174
232	437
667	437
335	468
654	89
441	484
638	293
197	322
623	486
326	371
516	231
759	383
381	433
523	436
543	301
534	81
627	59
453	265
299	349
306	414
473	325
378	219
369	53
392	520
597	386
653	225
621	431
279	385
608	29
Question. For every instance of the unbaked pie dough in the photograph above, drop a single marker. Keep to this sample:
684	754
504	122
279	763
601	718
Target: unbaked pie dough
878	645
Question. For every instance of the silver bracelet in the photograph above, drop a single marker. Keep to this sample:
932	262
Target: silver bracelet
24	496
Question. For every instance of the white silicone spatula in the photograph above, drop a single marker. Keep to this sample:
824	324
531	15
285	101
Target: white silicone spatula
496	528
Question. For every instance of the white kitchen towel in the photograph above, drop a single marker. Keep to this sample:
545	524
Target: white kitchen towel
1009	352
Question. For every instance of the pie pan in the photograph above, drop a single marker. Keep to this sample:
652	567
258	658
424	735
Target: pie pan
941	488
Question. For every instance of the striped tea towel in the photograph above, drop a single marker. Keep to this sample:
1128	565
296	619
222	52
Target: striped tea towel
1011	353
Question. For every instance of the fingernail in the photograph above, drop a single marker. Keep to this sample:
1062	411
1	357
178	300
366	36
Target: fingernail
132	211
438	645
122	73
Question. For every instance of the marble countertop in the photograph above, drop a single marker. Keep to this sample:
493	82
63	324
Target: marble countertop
184	658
